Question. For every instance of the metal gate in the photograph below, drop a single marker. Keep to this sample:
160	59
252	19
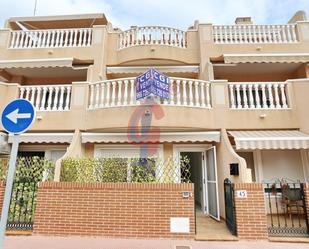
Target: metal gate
229	206
22	205
286	209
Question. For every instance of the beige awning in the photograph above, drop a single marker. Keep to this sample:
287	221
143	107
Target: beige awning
163	69
270	139
36	63
64	138
168	137
267	58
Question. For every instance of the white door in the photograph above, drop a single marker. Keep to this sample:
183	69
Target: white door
212	183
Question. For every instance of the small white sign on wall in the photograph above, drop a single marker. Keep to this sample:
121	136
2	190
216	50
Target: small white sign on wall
241	194
180	225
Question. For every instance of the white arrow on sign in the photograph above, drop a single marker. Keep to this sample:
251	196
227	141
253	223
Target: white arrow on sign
14	115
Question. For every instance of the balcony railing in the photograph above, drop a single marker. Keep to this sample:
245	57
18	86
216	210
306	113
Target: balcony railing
121	92
152	35
47	97
258	95
255	33
51	38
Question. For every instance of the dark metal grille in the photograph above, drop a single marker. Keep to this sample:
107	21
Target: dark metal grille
229	206
286	209
22	206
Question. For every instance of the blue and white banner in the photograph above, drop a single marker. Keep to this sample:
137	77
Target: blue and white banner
154	83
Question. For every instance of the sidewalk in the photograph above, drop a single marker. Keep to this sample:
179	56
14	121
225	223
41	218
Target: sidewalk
42	242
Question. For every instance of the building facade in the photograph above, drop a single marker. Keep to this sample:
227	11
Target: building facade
238	105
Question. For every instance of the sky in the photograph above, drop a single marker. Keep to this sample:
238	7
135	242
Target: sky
172	13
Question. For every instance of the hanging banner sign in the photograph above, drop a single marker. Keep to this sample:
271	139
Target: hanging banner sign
153	83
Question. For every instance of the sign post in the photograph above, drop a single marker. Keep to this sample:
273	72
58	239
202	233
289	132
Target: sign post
16	118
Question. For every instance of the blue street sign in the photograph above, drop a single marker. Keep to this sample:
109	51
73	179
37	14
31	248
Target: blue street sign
18	116
154	83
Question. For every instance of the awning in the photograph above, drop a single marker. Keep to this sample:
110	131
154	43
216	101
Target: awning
168	137
44	138
270	139
36	63
163	69
267	58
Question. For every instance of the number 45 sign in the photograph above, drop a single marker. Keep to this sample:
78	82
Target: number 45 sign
241	194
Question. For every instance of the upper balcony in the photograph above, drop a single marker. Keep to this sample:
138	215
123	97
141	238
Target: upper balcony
152	35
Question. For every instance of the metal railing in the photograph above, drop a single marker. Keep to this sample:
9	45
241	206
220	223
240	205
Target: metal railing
152	35
121	92
286	209
47	97
51	38
258	95
249	33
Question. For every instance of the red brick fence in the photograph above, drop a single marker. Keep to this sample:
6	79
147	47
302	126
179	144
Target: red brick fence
115	209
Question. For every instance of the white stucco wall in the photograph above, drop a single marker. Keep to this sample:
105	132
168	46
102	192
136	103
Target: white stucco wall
282	164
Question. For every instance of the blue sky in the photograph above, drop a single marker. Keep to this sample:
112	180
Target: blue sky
179	14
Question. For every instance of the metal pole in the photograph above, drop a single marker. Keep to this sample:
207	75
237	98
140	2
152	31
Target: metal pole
8	189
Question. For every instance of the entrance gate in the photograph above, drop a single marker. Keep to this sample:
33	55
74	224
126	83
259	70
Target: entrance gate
229	206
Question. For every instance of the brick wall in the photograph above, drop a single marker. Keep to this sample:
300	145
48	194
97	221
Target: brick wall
112	209
251	217
306	194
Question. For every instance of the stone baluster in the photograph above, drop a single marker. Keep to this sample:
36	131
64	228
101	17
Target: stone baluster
43	103
113	93
215	37
50	98
221	34
89	37
32	91
102	99
202	89
249	34
293	32
288	33
283	95
270	39
21	92
254	33
277	99
197	97
264	100
27	93
125	94
132	91
75	37
270	96
108	86
257	96
67	98
190	93
225	34
238	97
232	97
55	104
80	37
119	97
250	92
61	41
184	93
66	38
60	104
245	35
21	39
38	98
279	34
245	99
178	92
207	95
172	91
264	34
13	34
97	95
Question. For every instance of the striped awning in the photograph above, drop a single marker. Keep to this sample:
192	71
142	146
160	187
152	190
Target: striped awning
163	137
63	138
270	139
267	58
37	63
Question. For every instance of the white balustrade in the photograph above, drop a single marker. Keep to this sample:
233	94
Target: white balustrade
258	95
47	97
152	35
121	92
250	33
51	38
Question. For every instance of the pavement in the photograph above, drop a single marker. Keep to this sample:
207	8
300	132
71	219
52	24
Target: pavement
45	242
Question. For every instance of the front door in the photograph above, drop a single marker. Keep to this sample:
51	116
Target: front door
212	184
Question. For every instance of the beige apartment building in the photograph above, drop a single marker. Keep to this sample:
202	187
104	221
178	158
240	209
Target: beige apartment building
238	104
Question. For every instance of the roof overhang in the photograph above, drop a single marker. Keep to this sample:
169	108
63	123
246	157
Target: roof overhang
163	137
270	139
266	58
63	138
37	63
